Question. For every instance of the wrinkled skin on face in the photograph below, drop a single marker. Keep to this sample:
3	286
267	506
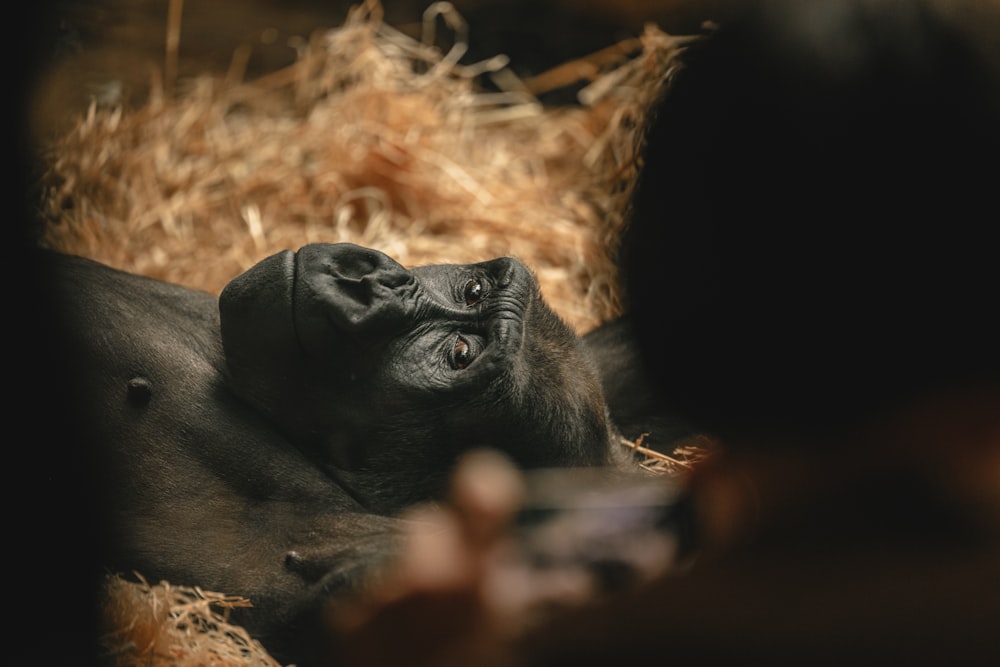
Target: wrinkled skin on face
383	376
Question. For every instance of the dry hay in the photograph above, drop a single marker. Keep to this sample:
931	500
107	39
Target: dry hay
372	137
147	625
683	457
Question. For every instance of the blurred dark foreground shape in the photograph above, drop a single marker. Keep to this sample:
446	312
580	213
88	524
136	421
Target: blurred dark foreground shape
812	271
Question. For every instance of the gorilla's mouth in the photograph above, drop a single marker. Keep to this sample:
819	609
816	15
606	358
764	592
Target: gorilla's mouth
255	312
345	296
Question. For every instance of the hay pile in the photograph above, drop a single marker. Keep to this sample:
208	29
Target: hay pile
176	626
372	137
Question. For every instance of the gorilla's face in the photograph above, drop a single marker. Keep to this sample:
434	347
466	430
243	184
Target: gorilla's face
384	375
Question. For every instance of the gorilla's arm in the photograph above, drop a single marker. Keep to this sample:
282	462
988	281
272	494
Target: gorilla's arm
637	410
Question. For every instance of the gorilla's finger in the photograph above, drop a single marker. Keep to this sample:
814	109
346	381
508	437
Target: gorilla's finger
486	490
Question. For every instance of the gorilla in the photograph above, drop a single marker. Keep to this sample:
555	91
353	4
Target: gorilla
262	443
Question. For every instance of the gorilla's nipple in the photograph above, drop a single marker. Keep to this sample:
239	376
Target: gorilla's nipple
140	390
311	569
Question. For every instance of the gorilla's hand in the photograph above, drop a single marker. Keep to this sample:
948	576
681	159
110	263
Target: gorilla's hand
504	554
444	602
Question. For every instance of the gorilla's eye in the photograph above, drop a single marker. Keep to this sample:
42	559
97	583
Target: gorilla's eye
462	355
473	292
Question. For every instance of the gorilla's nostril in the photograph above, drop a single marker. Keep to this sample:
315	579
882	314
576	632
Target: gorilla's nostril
310	569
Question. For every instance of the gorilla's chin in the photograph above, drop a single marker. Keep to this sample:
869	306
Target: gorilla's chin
261	347
257	304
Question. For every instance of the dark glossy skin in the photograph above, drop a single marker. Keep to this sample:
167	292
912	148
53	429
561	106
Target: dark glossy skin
264	452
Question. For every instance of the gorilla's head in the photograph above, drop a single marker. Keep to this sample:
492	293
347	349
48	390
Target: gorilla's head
385	375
